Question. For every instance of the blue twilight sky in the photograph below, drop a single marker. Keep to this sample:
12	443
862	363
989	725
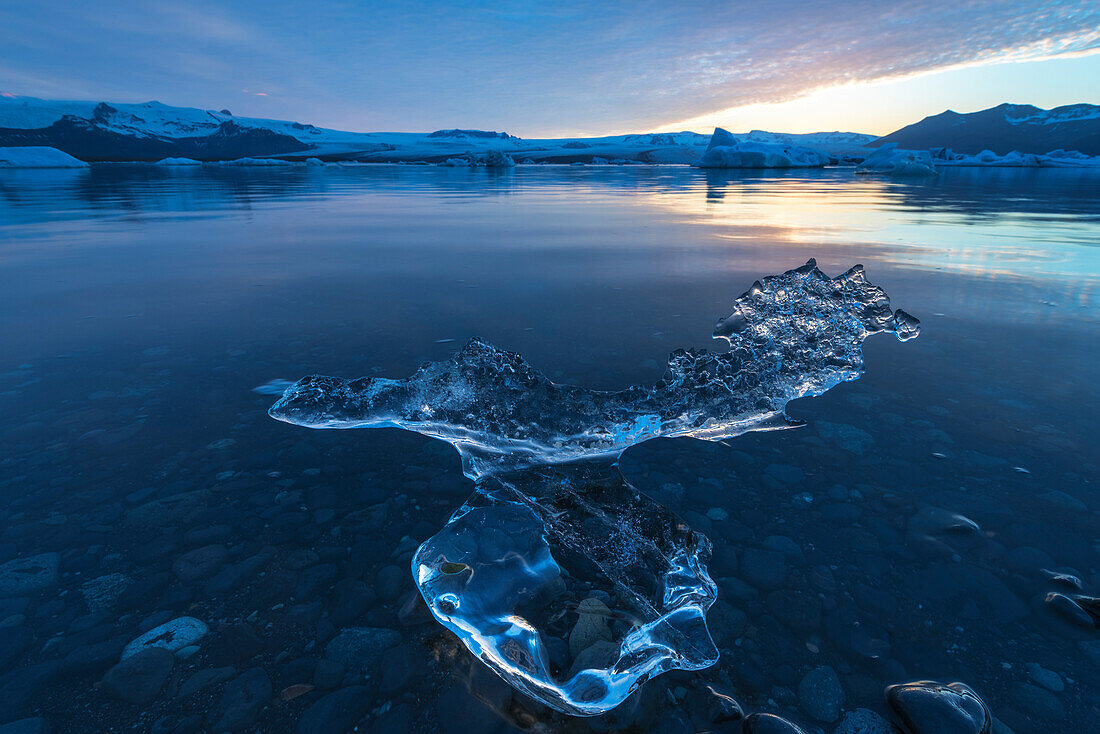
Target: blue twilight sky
559	68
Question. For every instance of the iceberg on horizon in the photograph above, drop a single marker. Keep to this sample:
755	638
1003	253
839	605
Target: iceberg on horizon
1015	159
727	151
178	162
889	160
558	574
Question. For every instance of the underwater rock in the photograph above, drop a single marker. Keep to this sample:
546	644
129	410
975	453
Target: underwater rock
768	724
172	636
821	694
864	721
200	563
139	677
337	712
203	679
28	575
927	707
360	648
102	592
591	626
1070	610
242	701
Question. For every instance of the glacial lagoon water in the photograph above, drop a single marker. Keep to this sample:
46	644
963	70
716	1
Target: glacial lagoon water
933	520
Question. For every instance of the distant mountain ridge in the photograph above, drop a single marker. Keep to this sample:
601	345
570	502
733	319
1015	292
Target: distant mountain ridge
1005	128
150	131
90	142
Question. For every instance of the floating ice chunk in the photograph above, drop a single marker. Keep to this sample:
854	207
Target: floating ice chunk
488	159
494	576
888	159
496	159
726	151
792	335
1015	159
553	537
178	162
251	162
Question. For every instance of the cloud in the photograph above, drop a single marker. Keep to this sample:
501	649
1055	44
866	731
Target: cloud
531	68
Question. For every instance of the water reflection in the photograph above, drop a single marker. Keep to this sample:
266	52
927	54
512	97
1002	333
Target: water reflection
1009	222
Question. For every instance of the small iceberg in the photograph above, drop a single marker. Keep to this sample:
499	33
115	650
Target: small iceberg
891	161
252	162
1015	159
489	159
178	162
727	151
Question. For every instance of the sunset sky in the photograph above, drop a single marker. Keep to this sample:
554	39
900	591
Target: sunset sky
564	68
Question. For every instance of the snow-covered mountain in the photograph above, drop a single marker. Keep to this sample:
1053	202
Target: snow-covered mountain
1005	128
100	131
151	131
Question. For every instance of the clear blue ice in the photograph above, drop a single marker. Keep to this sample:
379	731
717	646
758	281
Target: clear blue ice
558	574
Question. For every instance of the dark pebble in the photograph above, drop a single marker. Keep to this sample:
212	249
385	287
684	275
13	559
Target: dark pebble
457	712
140	677
200	563
350	600
359	649
764	569
388	582
398	720
709	705
235	644
204	679
242	701
927	707
35	725
13	642
315	580
399	666
337	712
92	659
821	694
768	724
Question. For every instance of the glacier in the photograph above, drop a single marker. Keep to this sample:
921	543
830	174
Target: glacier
559	575
151	131
38	156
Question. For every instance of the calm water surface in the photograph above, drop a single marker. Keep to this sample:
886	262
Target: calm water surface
909	531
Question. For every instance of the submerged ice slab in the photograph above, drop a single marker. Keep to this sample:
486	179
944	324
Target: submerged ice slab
559	575
790	336
571	585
